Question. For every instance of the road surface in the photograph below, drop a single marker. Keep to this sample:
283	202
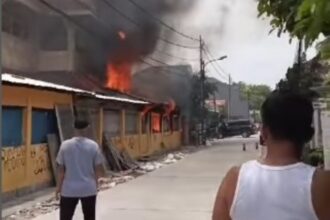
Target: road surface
182	191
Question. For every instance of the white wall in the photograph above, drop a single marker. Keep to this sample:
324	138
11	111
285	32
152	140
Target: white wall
55	61
18	54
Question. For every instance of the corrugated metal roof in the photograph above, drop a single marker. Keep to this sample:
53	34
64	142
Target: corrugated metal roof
134	101
19	80
6	77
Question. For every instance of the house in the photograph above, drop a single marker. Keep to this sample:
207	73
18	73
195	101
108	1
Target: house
167	84
50	62
29	115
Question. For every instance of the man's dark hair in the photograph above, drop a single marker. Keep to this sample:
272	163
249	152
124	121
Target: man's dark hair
80	124
289	117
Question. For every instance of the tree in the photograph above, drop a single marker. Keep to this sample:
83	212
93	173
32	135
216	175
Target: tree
300	80
255	94
304	19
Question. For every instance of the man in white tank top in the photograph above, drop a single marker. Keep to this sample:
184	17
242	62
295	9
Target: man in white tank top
279	186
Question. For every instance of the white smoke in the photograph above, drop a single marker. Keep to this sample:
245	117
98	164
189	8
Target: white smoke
232	28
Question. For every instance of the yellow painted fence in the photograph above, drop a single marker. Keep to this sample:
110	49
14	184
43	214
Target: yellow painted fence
29	165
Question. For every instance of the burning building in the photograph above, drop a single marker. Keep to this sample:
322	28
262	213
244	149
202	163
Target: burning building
49	46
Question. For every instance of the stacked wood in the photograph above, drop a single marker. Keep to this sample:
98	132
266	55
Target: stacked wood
117	161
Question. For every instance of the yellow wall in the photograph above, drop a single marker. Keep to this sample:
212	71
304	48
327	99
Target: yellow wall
145	145
140	145
28	165
25	166
20	96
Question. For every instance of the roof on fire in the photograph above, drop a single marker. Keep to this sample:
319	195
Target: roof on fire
105	95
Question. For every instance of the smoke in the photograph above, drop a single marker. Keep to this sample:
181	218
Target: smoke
143	32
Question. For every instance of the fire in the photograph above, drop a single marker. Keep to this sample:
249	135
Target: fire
122	35
119	76
156	122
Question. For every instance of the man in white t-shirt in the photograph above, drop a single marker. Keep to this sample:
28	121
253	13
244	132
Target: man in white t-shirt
79	168
278	186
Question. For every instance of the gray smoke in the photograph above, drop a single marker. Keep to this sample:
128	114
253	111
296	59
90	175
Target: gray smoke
143	31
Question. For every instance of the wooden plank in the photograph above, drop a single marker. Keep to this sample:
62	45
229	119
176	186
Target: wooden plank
53	148
65	120
110	155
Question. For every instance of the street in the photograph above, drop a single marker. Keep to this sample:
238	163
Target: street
182	191
121	86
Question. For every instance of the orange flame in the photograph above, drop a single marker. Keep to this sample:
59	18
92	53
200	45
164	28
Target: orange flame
119	76
122	35
156	122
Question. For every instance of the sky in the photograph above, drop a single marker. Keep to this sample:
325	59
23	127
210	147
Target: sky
232	28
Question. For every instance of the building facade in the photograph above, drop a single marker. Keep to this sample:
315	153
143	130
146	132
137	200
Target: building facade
45	60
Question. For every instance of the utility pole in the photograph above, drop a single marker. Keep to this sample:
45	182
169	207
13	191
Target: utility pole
202	75
229	97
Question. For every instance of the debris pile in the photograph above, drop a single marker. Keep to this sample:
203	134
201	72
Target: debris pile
168	159
117	161
146	165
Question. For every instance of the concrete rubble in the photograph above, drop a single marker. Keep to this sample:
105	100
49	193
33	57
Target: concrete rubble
107	183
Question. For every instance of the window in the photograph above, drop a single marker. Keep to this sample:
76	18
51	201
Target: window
43	123
15	24
112	122
131	123
12	126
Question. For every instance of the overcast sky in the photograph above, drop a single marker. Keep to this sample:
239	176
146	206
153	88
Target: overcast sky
231	27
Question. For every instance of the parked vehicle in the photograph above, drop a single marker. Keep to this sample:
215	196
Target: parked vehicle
237	127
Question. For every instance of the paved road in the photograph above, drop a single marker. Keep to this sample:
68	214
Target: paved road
182	191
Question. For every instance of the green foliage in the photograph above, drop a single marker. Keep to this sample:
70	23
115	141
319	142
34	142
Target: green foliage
324	48
314	157
301	79
282	13
255	94
304	19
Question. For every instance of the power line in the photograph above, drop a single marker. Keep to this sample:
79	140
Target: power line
221	75
68	17
161	67
85	5
158	61
161	21
176	57
105	26
93	34
217	68
139	25
208	51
